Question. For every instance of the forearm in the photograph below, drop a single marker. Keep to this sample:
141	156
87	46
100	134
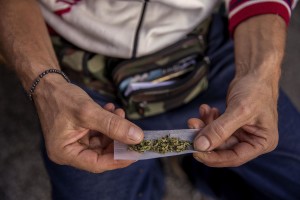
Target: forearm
25	43
259	47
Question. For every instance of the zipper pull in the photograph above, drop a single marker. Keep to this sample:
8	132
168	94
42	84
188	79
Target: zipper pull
142	107
206	59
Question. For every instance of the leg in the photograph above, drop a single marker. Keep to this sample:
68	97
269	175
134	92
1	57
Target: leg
142	180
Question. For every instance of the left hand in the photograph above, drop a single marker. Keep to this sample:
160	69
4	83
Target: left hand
247	129
249	126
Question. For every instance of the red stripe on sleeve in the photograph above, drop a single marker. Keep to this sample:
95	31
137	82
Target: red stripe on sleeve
63	11
258	9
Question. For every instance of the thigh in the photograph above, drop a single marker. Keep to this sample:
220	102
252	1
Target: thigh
141	180
276	174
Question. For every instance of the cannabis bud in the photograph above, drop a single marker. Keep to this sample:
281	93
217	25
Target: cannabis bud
162	145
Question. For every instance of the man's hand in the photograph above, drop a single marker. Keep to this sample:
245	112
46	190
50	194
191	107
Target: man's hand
77	131
248	128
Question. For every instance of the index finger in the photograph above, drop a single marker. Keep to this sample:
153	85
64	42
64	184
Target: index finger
238	155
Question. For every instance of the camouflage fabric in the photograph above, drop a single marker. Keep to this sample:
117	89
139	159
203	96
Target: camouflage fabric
84	67
152	97
147	85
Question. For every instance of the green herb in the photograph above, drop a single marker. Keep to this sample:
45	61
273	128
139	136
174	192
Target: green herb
161	145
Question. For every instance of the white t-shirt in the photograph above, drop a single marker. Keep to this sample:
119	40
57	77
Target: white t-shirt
133	28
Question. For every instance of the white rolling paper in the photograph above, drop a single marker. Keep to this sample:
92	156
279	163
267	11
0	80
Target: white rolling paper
121	151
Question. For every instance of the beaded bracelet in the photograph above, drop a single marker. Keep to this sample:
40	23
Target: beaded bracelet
37	80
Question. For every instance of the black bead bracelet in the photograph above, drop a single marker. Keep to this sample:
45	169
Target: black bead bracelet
37	80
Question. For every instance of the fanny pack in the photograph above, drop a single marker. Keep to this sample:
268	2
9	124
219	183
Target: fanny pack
164	80
148	85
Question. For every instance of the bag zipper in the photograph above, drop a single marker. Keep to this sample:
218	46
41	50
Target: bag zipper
158	54
170	87
142	105
148	67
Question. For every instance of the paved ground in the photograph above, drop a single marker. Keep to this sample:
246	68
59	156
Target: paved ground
22	175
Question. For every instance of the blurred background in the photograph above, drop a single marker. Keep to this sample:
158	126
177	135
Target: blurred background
22	174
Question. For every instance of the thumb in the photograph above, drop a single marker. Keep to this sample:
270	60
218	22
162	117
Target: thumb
115	127
218	131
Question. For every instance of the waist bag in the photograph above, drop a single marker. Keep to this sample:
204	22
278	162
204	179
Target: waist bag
148	85
164	80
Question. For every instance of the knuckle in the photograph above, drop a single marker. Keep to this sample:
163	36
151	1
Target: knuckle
53	157
218	130
113	124
85	109
273	143
244	108
262	145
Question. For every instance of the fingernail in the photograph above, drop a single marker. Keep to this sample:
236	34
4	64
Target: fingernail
202	143
134	134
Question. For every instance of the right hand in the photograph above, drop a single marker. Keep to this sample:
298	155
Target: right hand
77	130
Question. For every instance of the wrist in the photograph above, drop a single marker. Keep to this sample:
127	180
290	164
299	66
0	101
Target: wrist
268	73
47	83
28	70
265	86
